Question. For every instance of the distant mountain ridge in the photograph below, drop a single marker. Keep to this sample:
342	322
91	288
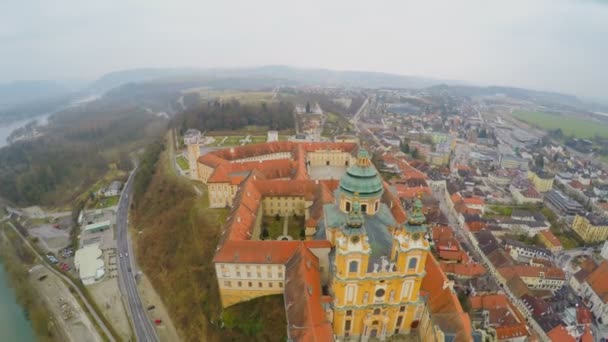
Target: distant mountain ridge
277	74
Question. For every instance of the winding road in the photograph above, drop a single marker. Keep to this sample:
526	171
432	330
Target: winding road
144	330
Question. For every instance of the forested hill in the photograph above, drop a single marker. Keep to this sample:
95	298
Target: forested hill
76	149
232	115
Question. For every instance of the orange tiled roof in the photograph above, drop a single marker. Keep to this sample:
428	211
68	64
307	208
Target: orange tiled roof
306	318
474	201
464	270
443	303
587	335
560	334
256	252
531	271
597	281
551	238
394	205
511	331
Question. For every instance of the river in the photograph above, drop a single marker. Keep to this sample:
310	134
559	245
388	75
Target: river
14	326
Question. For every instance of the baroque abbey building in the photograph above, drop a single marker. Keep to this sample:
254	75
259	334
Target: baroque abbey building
361	269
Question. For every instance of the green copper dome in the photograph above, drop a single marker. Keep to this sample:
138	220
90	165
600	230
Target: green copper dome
362	179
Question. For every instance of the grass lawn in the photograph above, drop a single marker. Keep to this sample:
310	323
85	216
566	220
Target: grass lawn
294	226
275	227
571	126
183	163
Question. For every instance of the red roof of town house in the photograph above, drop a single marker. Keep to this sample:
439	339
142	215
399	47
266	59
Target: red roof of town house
597	281
560	334
468	270
443	303
576	184
303	297
476	226
587	335
583	315
441	233
508	321
460	256
553	240
531	271
474	201
406	192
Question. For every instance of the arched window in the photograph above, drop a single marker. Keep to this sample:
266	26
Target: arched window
353	266
347	206
376	311
412	264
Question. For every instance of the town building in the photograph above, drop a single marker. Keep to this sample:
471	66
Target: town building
520	251
595	292
497	315
562	204
604	252
539	278
591	228
272	136
549	240
542	180
113	189
192	140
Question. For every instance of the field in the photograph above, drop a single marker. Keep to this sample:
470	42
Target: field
183	163
235	140
570	126
241	96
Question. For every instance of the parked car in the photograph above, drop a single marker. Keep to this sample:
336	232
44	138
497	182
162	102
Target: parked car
151	307
158	321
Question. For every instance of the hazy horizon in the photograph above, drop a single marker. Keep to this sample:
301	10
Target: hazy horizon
543	45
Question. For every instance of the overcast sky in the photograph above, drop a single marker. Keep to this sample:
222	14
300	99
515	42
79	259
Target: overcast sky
542	44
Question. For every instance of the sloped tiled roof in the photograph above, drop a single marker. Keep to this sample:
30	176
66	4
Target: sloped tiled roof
256	252
443	303
303	297
560	334
597	281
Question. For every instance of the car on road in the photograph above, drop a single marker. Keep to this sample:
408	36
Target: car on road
158	321
126	254
120	255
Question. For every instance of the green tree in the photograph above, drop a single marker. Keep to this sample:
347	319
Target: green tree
405	147
415	154
539	161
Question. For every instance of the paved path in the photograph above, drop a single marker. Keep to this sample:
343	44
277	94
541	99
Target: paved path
144	330
84	299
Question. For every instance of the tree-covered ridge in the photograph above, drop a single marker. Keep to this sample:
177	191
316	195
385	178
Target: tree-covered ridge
74	152
232	114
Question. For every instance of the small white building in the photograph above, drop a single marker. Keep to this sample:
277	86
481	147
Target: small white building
113	189
89	263
604	252
272	136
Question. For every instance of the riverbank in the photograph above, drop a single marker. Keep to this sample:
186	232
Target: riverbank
17	261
